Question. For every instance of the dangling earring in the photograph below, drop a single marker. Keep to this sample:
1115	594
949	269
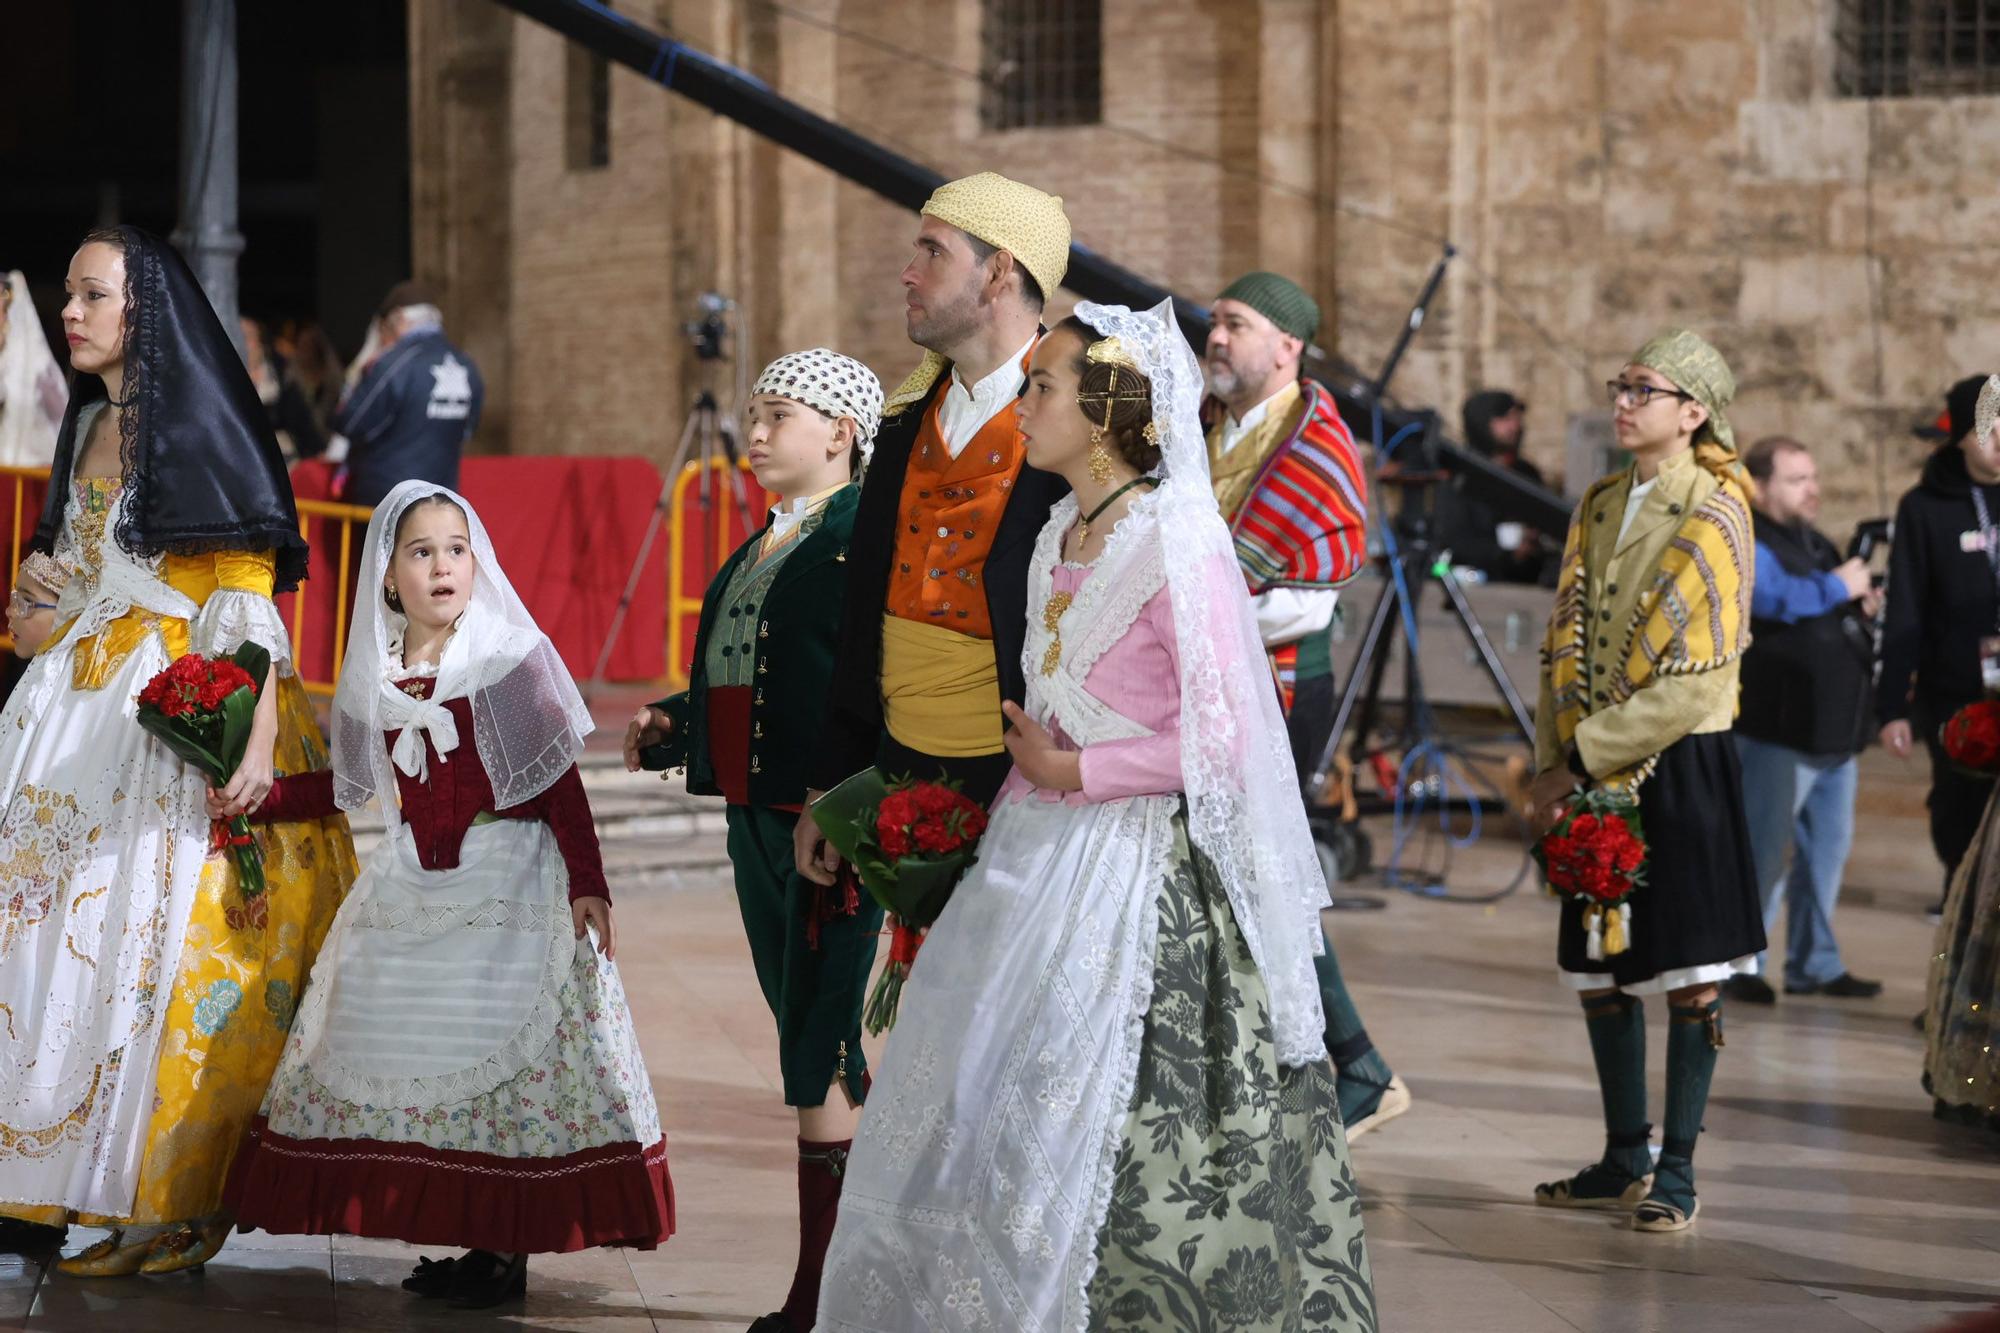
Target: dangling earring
1099	460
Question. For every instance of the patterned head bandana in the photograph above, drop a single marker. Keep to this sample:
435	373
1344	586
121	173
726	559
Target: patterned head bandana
1987	413
1010	216
1691	362
827	382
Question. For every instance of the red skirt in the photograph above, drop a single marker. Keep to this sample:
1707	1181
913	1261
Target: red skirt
616	1194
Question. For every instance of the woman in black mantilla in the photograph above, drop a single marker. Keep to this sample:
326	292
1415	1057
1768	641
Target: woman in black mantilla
147	995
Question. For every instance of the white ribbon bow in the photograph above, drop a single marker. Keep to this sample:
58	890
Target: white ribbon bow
413	719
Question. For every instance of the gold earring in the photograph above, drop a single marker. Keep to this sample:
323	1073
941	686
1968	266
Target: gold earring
1099	460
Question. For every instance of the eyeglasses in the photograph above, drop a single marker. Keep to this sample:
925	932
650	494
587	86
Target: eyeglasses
19	601
1621	392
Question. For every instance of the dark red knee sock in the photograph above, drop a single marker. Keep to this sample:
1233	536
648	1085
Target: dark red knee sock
822	1166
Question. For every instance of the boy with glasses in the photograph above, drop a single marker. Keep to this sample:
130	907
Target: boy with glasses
1639	688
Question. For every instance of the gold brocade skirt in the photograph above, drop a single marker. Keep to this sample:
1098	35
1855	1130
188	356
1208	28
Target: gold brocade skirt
241	971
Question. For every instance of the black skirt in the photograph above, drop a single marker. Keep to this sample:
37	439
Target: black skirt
1699	904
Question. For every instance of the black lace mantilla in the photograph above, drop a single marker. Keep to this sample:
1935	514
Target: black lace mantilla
201	467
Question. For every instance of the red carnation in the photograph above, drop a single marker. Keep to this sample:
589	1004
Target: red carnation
933	837
200	709
1972	737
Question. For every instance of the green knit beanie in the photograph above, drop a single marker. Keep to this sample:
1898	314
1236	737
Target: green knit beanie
1277	299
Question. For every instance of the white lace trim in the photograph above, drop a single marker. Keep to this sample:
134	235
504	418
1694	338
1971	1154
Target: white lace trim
231	618
493	914
1244	809
1108	601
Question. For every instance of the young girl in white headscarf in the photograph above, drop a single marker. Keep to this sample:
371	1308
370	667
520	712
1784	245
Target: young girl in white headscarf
463	1070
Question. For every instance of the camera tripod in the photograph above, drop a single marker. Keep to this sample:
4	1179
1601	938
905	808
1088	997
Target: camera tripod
708	436
1412	561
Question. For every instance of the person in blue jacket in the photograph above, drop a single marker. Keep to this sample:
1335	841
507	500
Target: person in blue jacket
1807	682
414	407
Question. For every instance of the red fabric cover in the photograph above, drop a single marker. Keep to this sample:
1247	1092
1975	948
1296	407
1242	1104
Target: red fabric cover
729	740
614	1195
566	530
440	810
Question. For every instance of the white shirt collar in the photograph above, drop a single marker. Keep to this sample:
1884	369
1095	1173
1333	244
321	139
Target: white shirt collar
1004	383
964	412
788	514
1233	430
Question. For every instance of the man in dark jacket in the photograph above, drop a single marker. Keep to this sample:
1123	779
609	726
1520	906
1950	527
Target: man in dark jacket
1804	718
937	574
414	407
1505	552
1944	601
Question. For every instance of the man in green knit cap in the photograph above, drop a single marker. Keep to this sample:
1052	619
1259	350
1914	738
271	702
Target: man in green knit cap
1288	479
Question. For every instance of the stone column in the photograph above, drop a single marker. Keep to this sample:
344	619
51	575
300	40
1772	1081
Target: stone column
207	232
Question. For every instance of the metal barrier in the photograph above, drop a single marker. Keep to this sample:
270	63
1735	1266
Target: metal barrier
320	514
348	519
685	586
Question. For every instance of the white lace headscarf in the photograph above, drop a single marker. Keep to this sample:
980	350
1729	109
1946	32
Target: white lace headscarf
29	412
1244	809
528	720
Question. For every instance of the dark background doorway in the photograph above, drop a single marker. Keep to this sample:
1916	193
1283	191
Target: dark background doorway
89	130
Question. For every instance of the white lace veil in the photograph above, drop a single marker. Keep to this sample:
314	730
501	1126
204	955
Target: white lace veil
27	432
527	718
1244	809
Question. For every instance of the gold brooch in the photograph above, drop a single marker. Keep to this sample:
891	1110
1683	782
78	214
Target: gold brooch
1051	618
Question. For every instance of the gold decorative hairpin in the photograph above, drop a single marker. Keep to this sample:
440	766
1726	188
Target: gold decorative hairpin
1111	352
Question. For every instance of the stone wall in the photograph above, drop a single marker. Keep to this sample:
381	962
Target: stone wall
1611	166
601	267
1606	166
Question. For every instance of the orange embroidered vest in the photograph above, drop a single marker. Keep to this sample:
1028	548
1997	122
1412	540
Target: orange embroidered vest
946	521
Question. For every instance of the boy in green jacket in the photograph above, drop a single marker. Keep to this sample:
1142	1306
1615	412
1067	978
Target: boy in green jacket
762	659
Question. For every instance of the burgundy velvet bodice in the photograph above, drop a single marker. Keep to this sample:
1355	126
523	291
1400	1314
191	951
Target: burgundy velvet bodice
456	791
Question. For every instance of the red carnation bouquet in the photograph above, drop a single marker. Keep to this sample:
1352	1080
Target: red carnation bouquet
908	843
1596	854
1971	738
202	708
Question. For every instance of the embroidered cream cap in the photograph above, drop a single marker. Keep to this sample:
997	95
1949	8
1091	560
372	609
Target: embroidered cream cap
1010	216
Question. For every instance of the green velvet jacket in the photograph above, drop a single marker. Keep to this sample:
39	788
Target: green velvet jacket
797	633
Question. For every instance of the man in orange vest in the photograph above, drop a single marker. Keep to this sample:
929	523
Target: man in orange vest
938	567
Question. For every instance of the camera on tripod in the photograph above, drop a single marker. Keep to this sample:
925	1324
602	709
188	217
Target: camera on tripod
709	331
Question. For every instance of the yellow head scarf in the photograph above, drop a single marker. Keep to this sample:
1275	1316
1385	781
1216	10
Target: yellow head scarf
1008	215
1693	364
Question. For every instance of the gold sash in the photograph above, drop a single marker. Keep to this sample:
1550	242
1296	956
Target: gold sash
940	690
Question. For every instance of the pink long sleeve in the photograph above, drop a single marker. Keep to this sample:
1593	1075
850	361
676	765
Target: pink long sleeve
1144	666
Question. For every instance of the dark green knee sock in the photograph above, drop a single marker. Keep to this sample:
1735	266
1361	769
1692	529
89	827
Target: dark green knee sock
1617	1026
1694	1035
1362	1075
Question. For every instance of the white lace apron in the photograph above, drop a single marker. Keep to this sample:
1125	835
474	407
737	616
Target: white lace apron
436	986
982	1170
